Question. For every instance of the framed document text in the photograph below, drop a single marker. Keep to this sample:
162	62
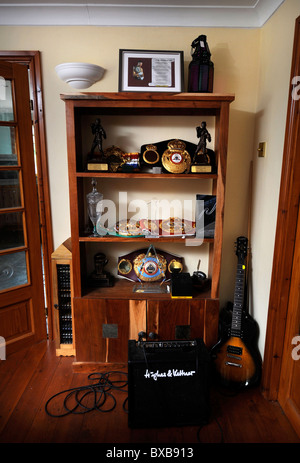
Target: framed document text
150	71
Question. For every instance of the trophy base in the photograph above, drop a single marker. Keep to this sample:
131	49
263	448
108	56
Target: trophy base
97	166
197	169
151	288
101	281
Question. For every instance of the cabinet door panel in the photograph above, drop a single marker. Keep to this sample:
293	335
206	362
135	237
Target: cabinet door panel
101	327
184	319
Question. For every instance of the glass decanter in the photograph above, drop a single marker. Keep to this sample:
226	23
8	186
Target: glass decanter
94	199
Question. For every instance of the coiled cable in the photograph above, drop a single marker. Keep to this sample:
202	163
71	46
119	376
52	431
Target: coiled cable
97	396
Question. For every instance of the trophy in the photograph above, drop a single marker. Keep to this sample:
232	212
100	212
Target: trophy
201	68
96	159
94	199
203	159
100	278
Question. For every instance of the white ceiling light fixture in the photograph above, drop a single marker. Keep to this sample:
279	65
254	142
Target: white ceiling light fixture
79	75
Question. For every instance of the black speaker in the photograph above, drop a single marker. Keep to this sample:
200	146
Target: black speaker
168	383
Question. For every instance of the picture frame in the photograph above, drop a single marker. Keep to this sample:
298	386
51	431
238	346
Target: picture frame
150	71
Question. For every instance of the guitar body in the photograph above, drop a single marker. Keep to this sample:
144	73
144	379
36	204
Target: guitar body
237	361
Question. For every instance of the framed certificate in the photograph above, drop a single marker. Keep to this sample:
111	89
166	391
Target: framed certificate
150	71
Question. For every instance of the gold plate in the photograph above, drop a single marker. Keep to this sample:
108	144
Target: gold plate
176	159
97	166
200	169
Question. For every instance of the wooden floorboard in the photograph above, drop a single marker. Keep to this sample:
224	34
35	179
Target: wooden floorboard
30	377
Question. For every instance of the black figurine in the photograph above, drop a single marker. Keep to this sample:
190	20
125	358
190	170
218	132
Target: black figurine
99	133
204	136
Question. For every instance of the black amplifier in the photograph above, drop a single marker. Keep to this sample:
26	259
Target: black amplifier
168	383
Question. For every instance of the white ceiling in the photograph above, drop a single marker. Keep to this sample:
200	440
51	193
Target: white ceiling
178	13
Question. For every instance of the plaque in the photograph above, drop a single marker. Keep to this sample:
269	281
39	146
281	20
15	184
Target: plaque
96	159
203	159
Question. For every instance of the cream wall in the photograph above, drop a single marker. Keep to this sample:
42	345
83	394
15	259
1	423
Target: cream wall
276	46
244	61
234	53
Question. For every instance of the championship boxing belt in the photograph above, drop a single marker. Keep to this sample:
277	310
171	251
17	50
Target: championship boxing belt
176	159
149	265
152	155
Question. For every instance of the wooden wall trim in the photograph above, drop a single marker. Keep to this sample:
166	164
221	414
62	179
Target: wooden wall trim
285	238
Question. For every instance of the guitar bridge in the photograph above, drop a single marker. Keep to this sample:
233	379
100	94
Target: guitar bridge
231	364
234	350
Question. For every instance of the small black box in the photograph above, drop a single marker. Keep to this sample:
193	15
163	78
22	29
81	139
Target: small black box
181	285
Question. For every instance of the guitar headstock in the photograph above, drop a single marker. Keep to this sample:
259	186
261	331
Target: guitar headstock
241	247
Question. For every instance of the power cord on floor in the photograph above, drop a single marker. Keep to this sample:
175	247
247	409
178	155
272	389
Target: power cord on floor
97	396
220	430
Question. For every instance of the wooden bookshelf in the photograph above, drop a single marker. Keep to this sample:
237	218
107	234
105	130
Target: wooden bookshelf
118	305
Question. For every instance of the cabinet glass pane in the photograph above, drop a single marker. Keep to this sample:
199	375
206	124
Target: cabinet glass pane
6	101
8	147
11	230
9	189
13	270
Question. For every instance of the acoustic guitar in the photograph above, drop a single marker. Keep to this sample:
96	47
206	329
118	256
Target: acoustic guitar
236	358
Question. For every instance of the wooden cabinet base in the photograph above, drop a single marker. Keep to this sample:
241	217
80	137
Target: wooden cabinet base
104	326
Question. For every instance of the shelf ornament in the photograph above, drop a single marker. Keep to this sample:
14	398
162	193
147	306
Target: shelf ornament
201	68
94	200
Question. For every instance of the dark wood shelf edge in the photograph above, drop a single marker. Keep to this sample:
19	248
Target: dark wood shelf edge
149	96
123	289
145	175
124	239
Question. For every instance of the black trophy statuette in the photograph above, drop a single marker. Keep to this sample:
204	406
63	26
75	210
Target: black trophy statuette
100	278
201	68
203	159
96	159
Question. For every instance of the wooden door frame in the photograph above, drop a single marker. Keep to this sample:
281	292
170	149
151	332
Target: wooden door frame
33	60
285	237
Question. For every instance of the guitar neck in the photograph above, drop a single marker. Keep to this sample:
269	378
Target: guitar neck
238	304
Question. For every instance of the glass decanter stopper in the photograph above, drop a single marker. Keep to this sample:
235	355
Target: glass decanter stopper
94	199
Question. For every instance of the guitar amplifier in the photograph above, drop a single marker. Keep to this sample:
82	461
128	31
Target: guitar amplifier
168	383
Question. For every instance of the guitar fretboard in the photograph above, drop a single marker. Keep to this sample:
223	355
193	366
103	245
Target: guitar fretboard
236	323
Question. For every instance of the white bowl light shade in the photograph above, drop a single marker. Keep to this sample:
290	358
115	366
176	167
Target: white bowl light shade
79	75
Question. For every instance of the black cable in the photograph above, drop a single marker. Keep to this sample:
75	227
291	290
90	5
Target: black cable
220	429
76	399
